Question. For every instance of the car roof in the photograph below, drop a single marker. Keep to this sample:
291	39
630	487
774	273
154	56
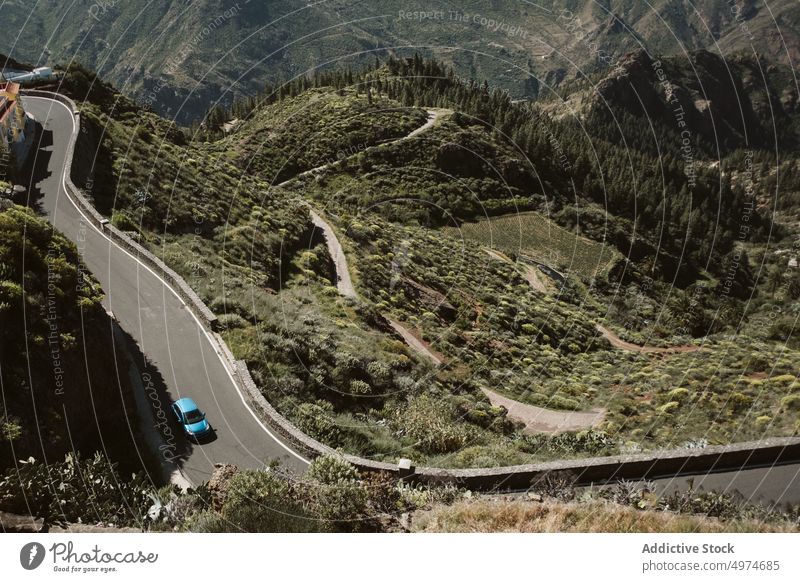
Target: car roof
186	404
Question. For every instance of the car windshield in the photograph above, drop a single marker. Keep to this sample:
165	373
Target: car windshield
193	416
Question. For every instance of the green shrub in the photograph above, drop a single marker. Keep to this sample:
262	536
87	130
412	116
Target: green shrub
74	490
594	442
678	395
231	321
738	402
562	403
123	222
315	420
763	420
669	407
336	495
432	425
791	402
360	387
330	469
783	379
260	501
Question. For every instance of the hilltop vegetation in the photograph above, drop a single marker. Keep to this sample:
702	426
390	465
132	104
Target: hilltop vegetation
511	157
281	137
725	104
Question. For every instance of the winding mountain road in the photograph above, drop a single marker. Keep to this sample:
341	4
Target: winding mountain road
182	357
177	348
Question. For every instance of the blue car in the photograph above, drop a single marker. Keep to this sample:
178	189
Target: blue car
193	421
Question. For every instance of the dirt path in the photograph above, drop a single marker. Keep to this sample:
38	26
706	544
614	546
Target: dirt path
544	420
620	343
532	275
528	272
433	116
345	287
416	343
343	282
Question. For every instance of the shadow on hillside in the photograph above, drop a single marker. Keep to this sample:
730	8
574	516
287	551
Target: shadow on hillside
36	169
36	173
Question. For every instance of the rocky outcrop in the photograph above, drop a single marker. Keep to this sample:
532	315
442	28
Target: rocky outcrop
432	299
219	482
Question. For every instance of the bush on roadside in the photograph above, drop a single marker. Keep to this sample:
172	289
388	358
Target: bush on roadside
74	490
432	425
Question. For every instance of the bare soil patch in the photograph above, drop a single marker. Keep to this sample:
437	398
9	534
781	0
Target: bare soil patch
545	420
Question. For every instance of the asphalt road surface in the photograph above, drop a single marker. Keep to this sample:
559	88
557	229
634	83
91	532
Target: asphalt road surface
167	333
778	484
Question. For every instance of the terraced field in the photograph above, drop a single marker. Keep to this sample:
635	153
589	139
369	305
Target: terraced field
533	235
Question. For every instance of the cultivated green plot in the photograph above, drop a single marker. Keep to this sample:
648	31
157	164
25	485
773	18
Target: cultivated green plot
530	234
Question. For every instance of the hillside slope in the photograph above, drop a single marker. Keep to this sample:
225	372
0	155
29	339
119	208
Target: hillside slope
56	398
723	104
208	203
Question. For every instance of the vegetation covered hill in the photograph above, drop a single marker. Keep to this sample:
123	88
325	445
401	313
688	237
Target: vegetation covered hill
284	137
463	169
184	57
511	157
62	391
209	202
724	104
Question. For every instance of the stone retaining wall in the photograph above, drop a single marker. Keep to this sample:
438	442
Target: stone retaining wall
598	469
640	466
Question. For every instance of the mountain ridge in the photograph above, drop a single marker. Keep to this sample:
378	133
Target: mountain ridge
192	55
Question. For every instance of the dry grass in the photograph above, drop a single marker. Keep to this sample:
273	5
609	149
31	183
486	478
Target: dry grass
522	516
